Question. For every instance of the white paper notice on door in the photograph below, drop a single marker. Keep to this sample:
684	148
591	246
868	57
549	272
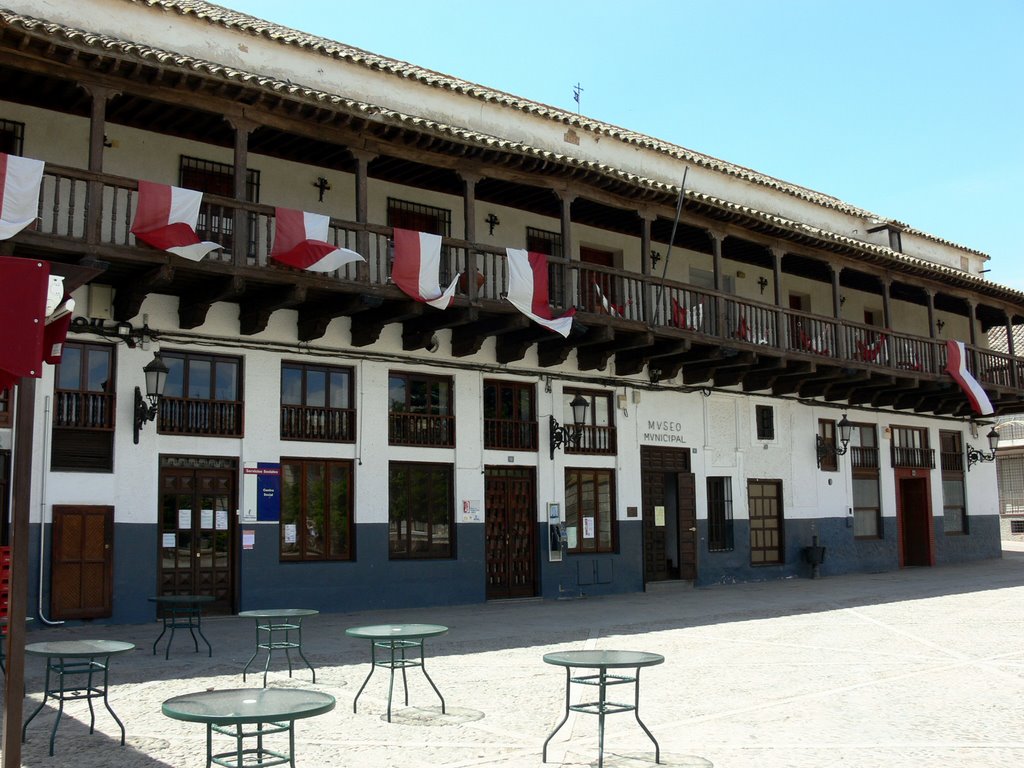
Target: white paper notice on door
185	519
170	540
289	533
659	517
588	527
206	519
222	519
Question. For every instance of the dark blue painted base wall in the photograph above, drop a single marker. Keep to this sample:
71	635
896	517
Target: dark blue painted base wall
372	581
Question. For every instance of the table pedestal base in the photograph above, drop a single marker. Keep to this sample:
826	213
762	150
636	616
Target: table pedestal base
93	686
242	756
602	707
288	644
396	661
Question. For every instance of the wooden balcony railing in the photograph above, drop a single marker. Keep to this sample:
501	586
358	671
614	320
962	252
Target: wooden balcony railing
625	296
951	461
84	410
213	418
510	434
913	458
299	422
594	440
421	430
863	458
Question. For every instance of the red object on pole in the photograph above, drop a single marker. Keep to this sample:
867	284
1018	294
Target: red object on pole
23	287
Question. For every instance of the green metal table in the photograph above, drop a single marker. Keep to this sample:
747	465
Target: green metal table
227	712
80	668
602	661
279	621
181	612
396	639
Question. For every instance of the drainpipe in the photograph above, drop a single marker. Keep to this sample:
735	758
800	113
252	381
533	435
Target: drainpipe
42	508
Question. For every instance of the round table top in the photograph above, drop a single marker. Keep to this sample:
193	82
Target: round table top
279	613
396	631
235	706
605	659
77	648
181	599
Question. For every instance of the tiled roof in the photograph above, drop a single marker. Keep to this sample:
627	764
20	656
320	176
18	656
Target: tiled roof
215	14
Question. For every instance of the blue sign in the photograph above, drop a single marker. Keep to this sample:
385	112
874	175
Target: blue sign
268	491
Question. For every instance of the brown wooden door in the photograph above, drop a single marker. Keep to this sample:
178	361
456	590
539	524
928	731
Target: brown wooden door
915	514
197	528
81	565
510	519
669	514
764	498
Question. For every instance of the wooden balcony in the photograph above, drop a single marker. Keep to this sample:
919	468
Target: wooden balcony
626	321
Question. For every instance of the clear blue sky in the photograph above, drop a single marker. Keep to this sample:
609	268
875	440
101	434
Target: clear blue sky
912	109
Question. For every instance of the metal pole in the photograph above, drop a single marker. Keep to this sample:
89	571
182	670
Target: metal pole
14	688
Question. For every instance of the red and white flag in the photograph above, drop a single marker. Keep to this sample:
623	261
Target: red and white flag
20	179
23	289
166	219
417	266
300	241
528	289
956	366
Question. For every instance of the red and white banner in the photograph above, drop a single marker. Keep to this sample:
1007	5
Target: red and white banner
528	289
20	179
956	366
417	266
23	289
166	217
300	241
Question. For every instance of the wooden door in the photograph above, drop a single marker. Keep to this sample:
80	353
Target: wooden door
198	497
914	518
510	519
668	501
81	563
764	499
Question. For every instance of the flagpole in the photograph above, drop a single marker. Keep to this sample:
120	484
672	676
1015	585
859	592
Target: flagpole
672	239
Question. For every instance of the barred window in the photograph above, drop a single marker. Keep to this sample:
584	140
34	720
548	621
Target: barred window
720	533
1010	474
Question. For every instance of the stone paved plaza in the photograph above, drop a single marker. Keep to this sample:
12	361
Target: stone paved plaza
915	668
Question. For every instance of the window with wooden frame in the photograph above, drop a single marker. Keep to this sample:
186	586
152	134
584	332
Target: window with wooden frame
550	244
421	510
954	497
403	214
910	448
510	415
316	510
216	222
828	462
421	410
720	527
764	416
867	507
590	523
317	403
6	418
202	396
12	137
83	409
597	435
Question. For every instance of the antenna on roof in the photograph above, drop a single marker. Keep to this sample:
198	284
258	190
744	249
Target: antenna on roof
576	91
671	240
